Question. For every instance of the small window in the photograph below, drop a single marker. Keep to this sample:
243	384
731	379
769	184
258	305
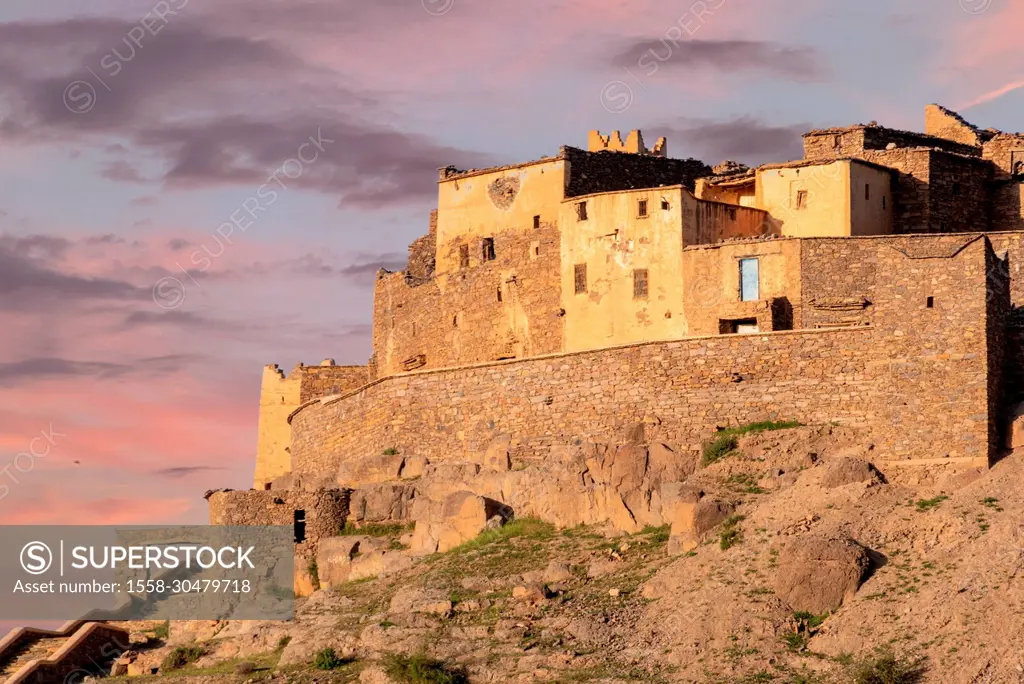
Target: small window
930	303
463	256
536	250
801	199
300	526
640	283
487	249
580	278
536	222
749	280
455	321
867	191
641	208
499	293
664	205
581	211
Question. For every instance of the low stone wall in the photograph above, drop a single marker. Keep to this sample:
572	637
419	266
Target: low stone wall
324	511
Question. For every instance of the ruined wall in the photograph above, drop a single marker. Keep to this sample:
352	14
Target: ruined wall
595	172
854	140
611	245
944	123
280	395
459	318
711	284
742	194
422	253
324	512
1006	152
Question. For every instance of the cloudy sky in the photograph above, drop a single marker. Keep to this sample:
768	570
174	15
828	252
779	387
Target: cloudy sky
190	189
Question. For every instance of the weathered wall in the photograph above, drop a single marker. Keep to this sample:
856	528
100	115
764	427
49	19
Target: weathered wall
612	243
422	253
854	140
479	205
826	210
871	198
324	511
280	395
1006	152
705	222
739	193
711	283
457	318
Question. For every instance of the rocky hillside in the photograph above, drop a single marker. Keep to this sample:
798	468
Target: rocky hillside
789	558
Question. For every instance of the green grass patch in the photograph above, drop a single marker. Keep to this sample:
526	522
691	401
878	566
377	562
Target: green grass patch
928	504
657	535
731	533
520	527
885	667
991	502
182	656
422	669
283	642
390	451
725	442
375	529
327	659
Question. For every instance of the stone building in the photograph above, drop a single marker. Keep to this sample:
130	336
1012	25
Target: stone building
874	283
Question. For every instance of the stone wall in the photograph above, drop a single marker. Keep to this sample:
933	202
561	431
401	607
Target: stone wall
324	512
325	380
594	172
853	141
505	308
944	123
422	254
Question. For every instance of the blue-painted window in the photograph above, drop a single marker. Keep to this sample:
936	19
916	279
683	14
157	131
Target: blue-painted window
749	286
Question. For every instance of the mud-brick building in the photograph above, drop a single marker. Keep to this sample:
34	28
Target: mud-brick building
875	282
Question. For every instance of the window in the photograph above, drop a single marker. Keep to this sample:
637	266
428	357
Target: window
749	285
455	321
499	293
487	249
300	526
536	251
640	283
580	278
664	204
737	327
867	191
641	208
536	222
463	256
581	211
801	199
930	303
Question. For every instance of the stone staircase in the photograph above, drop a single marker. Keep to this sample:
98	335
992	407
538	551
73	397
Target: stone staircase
38	656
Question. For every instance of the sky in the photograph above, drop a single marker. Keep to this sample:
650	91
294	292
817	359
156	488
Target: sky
192	189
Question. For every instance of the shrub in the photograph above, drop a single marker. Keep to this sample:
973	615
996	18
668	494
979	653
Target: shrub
885	667
327	659
162	631
731	532
314	574
182	656
283	642
245	667
391	451
422	669
718	448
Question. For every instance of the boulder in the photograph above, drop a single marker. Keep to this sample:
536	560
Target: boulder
303	584
816	574
531	593
667	465
335	557
384	502
461	516
692	523
414	467
498	456
846	471
557	571
363	471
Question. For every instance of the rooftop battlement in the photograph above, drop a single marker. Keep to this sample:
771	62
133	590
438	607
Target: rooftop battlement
634	144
